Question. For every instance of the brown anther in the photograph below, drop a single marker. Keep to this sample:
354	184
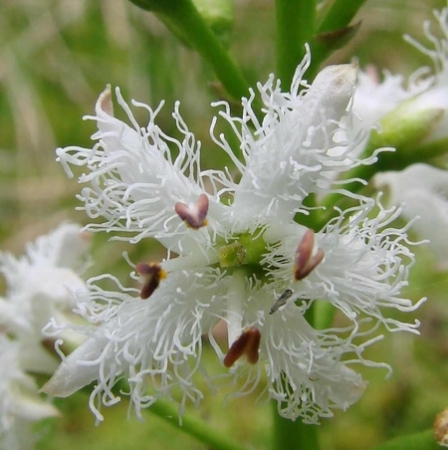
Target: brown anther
305	261
153	274
193	216
281	301
248	343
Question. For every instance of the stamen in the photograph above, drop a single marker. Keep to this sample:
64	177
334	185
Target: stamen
248	343
153	274
194	216
305	261
281	301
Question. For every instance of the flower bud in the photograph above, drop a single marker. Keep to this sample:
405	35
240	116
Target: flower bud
405	128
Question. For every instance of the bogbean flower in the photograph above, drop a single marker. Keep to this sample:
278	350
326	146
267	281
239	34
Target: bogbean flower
421	187
436	95
238	251
20	404
425	92
423	190
38	287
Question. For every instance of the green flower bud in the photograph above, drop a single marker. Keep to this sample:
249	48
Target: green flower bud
404	128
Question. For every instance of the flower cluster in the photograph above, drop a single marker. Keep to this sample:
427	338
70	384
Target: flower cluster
38	285
245	246
422	188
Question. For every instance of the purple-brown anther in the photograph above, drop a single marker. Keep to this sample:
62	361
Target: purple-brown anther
193	216
153	274
248	343
304	260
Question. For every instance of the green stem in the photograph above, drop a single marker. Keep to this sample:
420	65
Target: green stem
184	16
340	15
295	26
418	441
289	435
194	427
333	32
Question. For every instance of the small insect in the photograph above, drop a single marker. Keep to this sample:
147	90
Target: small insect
281	301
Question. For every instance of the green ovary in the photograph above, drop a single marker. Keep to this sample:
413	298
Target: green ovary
245	250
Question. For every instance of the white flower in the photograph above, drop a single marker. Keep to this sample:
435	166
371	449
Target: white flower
436	95
425	93
421	188
135	183
39	285
156	345
374	100
247	261
20	404
38	288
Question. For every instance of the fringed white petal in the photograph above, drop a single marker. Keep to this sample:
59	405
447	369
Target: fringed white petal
134	183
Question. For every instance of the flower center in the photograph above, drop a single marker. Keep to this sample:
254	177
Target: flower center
246	250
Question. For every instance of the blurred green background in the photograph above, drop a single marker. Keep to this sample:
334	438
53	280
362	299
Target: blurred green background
56	56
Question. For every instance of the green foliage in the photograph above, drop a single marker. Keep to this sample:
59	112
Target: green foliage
55	58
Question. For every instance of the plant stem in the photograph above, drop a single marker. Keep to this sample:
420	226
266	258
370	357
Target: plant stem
295	27
183	15
194	427
340	15
336	21
293	435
